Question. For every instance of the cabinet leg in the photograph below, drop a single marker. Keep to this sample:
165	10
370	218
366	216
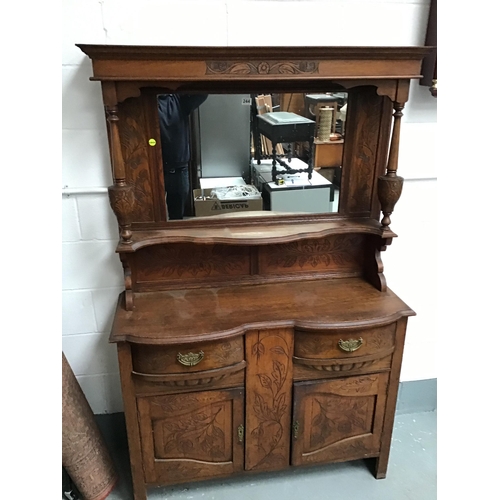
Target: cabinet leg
381	463
140	492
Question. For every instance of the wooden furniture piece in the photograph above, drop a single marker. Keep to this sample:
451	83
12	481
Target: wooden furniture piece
328	154
264	341
285	127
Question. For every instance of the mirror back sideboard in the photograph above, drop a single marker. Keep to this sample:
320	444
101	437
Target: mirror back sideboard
256	341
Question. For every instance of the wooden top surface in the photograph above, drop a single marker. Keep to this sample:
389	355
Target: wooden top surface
184	316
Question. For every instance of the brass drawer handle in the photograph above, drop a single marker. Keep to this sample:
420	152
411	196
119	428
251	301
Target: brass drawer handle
190	359
350	345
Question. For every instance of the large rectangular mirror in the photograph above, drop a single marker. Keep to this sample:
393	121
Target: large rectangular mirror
239	153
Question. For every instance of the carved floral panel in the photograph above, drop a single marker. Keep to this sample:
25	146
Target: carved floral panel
268	399
191	262
336	418
261	67
199	434
191	435
343	253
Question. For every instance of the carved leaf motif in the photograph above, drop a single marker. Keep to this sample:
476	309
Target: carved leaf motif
339	418
258	349
265	381
288	68
278	350
322	427
261	67
280	406
269	407
188	431
243	69
278	374
261	408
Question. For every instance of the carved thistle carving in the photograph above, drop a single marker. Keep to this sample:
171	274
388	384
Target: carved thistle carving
261	67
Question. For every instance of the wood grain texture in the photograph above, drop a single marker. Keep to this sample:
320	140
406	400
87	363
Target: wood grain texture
268	399
186	316
335	253
157	360
321	345
134	143
263	229
338	419
193	265
183	64
191	435
184	263
131	421
202	289
392	395
366	141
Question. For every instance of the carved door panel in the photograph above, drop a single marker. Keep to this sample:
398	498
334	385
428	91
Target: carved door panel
191	436
338	419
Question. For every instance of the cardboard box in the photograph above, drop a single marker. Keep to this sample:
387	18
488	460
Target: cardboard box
204	207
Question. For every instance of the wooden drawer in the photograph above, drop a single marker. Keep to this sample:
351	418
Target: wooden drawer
345	350
188	364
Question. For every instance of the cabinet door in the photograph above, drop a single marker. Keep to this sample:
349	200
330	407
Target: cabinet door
338	419
191	436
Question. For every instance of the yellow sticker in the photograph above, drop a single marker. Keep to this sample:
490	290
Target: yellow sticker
152	142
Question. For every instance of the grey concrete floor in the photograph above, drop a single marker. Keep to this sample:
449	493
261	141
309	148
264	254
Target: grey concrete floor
411	474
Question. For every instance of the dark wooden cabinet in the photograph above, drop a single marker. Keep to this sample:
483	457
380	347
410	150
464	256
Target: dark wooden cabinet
260	341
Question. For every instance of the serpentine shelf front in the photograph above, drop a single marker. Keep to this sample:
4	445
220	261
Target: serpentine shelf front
186	316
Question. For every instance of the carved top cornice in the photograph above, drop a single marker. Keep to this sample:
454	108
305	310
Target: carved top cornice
184	64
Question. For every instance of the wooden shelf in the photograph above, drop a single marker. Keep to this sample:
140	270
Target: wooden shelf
252	234
184	316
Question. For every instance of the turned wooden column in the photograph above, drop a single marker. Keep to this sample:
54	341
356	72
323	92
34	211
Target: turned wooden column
390	185
121	195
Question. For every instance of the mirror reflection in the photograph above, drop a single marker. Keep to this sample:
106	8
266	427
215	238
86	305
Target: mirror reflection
248	153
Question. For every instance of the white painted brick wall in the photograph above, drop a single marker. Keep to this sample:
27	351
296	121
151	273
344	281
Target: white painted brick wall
91	272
